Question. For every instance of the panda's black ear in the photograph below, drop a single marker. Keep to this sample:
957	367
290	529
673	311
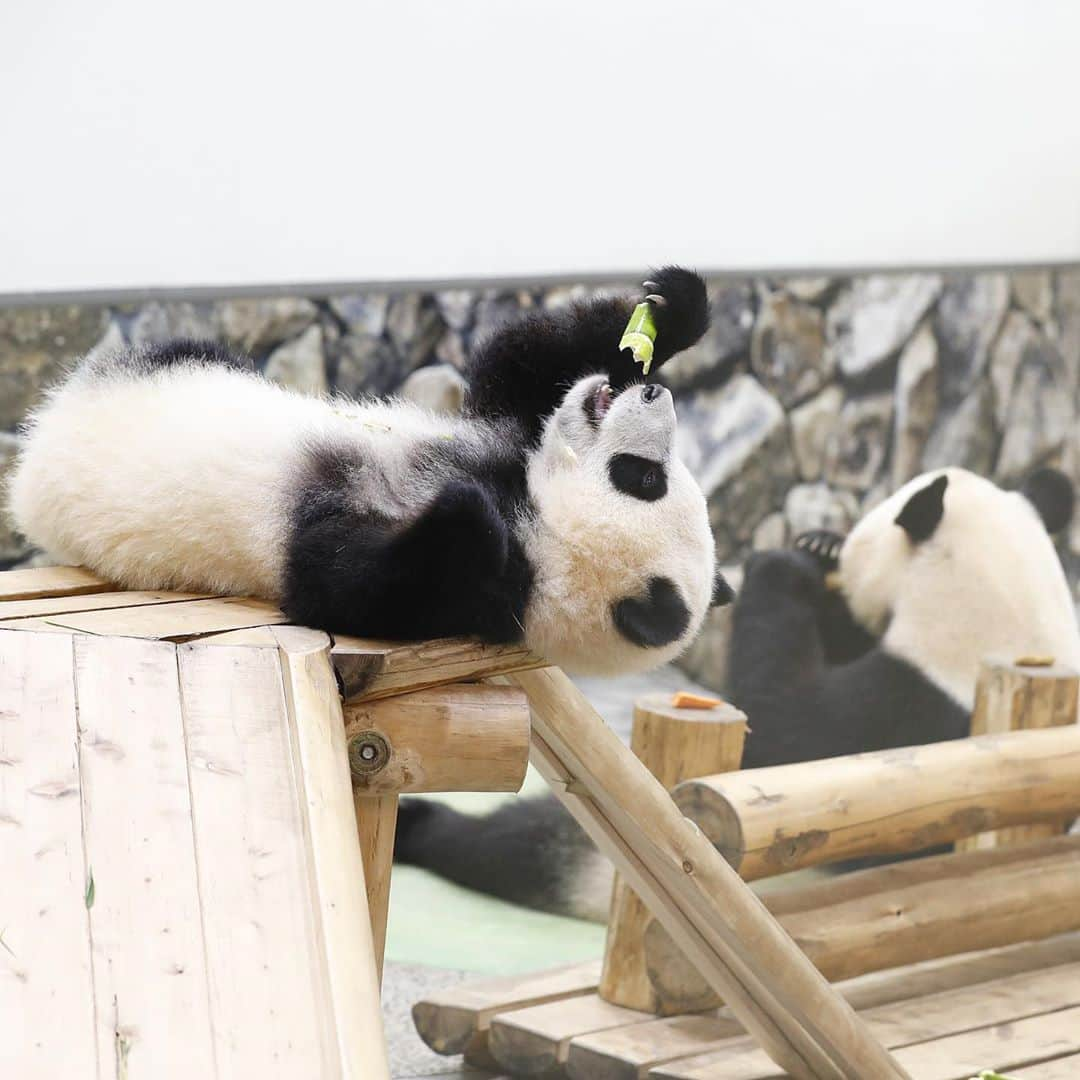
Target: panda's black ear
1050	491
722	592
922	512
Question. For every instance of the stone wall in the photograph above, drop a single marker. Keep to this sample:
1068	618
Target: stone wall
808	401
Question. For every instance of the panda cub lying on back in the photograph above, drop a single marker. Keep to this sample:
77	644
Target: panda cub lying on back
555	511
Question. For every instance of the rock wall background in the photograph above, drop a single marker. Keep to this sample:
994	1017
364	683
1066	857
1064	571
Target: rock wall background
808	401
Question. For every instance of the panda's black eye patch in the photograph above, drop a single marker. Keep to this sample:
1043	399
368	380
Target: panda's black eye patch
638	476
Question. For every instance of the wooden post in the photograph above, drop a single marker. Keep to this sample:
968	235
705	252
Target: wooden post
770	986
461	737
1027	693
673	744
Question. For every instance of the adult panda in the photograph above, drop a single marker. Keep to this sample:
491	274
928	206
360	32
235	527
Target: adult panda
555	511
838	646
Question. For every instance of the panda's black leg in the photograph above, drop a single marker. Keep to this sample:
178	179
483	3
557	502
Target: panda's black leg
451	572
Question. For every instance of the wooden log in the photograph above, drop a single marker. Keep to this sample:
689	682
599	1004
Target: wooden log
461	737
67	604
770	986
1062	1068
628	1053
369	669
1019	696
894	915
449	1022
673	744
769	821
376	823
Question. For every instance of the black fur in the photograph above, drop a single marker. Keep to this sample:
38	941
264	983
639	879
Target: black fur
722	592
656	619
525	368
638	477
1050	491
168	354
787	632
458	569
526	851
922	513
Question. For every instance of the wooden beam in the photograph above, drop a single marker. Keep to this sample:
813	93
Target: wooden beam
369	669
1019	696
909	912
448	1022
770	986
673	744
376	823
769	821
460	737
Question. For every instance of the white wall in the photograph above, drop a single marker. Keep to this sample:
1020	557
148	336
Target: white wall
209	142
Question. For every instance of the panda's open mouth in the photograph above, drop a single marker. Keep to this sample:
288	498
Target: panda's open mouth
598	403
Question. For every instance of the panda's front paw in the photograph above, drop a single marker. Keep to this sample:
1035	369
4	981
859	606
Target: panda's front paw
680	308
823	545
795	573
464	531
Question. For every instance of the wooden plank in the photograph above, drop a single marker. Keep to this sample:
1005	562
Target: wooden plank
268	993
629	1052
773	820
448	1021
150	988
49	581
918	1022
342	922
174	622
256	636
61	605
1062	1068
375	669
46	982
710	913
38	626
536	1040
376	823
1000	1047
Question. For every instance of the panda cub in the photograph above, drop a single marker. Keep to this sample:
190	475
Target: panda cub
838	647
554	511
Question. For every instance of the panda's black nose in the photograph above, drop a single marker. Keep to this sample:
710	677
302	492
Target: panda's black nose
651	391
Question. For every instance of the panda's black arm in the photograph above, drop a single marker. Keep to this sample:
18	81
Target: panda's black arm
524	369
799	706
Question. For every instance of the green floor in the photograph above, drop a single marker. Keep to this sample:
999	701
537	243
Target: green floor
436	923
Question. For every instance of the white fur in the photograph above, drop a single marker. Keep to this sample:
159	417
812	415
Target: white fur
182	479
592	545
988	582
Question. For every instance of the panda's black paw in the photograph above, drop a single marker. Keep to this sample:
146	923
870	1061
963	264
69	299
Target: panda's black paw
462	531
680	308
823	545
794	573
